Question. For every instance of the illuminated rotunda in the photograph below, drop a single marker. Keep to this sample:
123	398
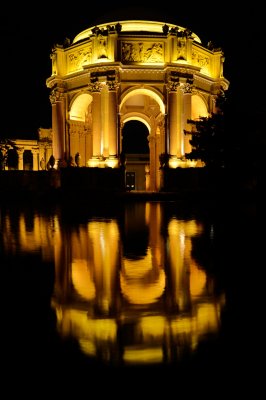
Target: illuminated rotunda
156	73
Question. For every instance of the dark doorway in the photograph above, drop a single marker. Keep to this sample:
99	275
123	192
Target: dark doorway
130	181
28	160
135	138
135	148
12	160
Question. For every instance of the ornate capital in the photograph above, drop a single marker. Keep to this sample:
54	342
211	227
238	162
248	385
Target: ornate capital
56	95
95	86
112	85
186	88
172	86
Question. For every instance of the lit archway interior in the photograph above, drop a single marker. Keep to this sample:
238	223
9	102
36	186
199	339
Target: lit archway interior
79	107
198	108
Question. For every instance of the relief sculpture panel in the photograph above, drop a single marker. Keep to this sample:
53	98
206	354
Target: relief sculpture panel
143	52
201	60
77	59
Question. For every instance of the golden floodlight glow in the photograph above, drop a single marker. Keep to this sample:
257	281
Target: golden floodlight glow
147	92
187	228
175	162
82	279
197	280
133	26
138	291
143	356
79	107
134	269
102	329
87	347
76	323
111	162
152	326
208	316
182	325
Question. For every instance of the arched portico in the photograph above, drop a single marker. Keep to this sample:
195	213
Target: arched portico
160	74
146	106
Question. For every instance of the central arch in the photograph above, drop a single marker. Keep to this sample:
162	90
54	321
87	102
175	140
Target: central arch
143	91
135	145
145	106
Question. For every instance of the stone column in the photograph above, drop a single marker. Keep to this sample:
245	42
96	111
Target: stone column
105	259
112	121
179	130
35	154
172	115
152	146
104	121
20	152
187	90
96	122
157	161
58	124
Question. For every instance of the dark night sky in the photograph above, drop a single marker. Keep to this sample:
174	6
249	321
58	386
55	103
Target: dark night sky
28	33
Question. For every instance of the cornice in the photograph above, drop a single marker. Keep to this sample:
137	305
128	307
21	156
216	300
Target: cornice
184	69
142	71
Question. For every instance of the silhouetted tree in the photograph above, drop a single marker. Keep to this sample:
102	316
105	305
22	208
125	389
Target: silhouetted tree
5	146
210	138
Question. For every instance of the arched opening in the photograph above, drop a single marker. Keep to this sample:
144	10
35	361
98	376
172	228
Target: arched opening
28	160
144	107
135	138
12	160
136	153
198	108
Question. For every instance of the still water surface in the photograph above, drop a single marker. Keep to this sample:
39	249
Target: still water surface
145	286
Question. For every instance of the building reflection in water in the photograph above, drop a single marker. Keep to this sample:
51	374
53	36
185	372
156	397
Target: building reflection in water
129	291
126	288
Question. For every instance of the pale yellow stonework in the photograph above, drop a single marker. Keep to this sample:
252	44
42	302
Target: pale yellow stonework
159	74
156	73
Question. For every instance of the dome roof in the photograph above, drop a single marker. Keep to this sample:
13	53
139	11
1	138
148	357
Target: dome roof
134	26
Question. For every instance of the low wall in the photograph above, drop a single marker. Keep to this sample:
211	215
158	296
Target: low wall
67	182
105	183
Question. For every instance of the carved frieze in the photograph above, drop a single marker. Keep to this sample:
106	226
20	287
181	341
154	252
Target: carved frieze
201	60
78	58
142	52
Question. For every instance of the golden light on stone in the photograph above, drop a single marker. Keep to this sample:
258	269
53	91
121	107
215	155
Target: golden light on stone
154	72
157	73
111	162
197	280
138	93
174	162
82	279
143	355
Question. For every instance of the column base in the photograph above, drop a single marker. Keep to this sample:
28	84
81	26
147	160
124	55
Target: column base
102	162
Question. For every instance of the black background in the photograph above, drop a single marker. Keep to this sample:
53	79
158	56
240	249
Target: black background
29	31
